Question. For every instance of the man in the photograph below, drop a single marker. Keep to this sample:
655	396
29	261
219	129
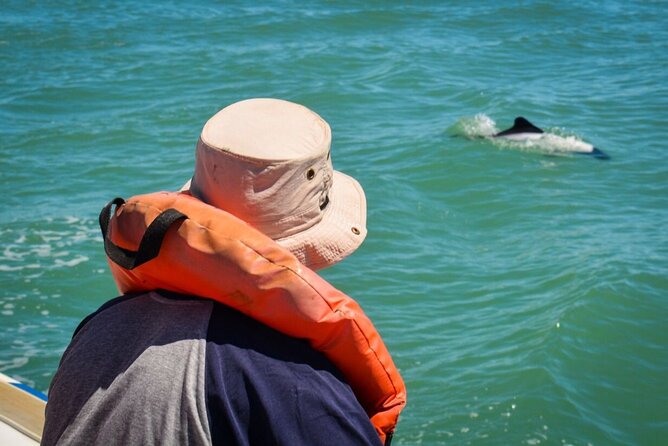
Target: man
159	367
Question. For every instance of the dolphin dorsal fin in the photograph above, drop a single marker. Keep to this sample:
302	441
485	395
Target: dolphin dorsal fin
521	125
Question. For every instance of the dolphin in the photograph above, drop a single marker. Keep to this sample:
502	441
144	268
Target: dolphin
523	130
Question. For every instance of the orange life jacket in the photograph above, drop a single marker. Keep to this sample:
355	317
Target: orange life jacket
173	241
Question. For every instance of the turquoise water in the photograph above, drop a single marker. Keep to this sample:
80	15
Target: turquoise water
522	292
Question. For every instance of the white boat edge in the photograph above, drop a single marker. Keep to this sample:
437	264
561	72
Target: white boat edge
21	413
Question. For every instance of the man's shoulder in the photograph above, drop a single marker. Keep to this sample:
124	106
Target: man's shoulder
132	302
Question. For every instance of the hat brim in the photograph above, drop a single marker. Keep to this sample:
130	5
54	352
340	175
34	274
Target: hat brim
341	230
338	234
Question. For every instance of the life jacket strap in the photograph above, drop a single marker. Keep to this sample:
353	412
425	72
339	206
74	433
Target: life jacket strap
149	247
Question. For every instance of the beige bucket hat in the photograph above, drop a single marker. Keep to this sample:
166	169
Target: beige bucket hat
268	162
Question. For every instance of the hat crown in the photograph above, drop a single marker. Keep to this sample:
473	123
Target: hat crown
267	162
268	130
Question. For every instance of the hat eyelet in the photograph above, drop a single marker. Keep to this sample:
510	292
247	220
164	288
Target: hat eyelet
310	174
355	230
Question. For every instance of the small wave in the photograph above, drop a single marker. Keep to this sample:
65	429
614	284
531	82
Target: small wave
7	268
73	262
14	363
478	126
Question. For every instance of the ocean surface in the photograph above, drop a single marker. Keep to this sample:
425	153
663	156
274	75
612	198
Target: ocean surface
522	289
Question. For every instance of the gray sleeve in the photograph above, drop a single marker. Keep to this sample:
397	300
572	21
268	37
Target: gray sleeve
121	368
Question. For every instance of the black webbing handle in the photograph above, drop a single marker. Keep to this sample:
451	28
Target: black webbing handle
149	247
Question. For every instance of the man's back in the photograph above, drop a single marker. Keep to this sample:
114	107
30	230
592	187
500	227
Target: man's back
159	368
